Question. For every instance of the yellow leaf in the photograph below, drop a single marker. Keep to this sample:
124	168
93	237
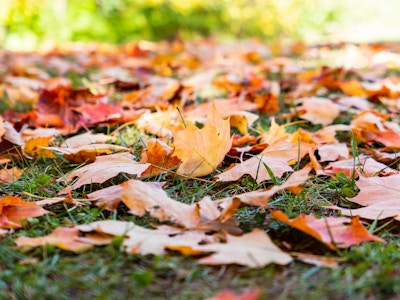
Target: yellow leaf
201	150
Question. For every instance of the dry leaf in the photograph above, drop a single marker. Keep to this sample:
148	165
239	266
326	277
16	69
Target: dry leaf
254	250
318	110
61	237
201	150
10	175
13	211
277	157
260	197
86	153
160	156
333	232
104	168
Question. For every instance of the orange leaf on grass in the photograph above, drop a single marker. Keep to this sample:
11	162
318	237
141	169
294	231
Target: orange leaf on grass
202	150
160	156
10	175
371	126
333	232
277	157
254	250
141	197
13	211
318	110
86	153
104	168
378	211
61	237
36	147
260	197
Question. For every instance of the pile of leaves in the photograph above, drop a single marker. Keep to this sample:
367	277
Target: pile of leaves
128	125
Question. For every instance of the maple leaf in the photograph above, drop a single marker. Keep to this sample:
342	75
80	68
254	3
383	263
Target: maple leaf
260	197
61	237
254	250
104	168
371	126
86	153
201	150
276	157
378	211
10	175
35	147
86	138
374	190
139	240
333	232
140	197
13	211
159	155
364	165
332	152
318	110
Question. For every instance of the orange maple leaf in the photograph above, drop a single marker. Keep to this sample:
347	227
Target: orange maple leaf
333	232
13	211
201	150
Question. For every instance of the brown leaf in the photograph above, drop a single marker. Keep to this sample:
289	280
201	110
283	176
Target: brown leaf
86	138
277	157
61	237
104	168
140	197
254	250
333	232
13	211
10	175
374	190
86	153
159	155
318	110
201	150
332	152
260	197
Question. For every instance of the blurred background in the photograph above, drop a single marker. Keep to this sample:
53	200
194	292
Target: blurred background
25	24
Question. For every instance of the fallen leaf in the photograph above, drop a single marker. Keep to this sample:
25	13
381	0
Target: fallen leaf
333	232
318	110
260	197
333	152
371	126
254	250
61	237
160	156
374	190
10	175
86	138
86	153
201	150
140	197
104	168
277	157
13	211
379	211
36	147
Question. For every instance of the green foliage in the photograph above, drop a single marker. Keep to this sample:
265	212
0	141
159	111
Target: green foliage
27	23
